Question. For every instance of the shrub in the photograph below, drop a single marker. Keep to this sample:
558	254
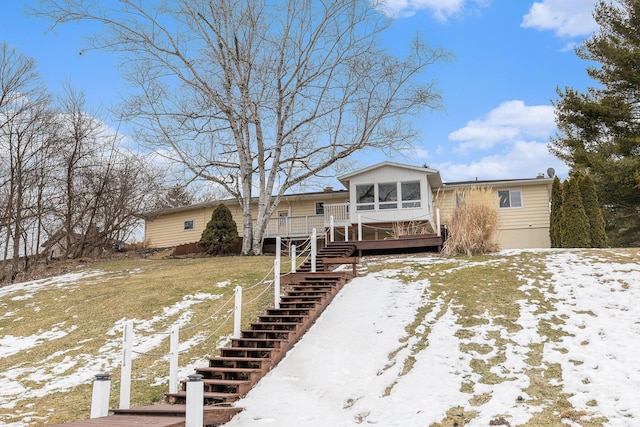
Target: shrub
575	224
592	209
555	221
220	237
473	223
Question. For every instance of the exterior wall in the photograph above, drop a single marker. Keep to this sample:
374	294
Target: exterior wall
390	174
522	227
167	229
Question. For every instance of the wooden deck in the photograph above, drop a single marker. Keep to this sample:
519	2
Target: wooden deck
425	242
128	421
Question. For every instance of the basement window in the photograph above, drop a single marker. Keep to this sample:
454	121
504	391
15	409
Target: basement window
189	225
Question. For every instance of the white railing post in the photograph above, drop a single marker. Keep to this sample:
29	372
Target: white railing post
331	231
292	251
276	283
237	312
194	416
174	350
100	396
359	228
346	233
278	248
127	358
314	247
438	231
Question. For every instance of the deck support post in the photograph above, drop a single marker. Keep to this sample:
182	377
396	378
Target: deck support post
359	228
331	229
276	283
292	252
127	358
438	231
100	397
173	359
346	233
237	312
314	249
194	416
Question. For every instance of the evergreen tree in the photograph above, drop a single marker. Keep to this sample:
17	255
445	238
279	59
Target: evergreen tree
575	224
220	237
555	221
598	129
592	209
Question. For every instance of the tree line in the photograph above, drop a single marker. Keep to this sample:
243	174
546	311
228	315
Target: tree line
66	180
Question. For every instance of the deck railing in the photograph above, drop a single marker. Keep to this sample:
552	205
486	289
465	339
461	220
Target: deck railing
301	226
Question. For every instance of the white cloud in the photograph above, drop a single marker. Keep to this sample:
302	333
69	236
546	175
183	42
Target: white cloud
441	9
567	18
524	159
511	120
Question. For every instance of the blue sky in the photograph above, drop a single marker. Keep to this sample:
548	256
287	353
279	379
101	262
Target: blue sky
510	55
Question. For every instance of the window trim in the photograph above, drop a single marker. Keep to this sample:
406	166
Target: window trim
185	224
399	204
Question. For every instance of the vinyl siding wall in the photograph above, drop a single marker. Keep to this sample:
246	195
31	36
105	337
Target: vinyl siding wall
523	227
167	229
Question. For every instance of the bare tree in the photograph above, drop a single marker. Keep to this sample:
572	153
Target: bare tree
258	96
25	119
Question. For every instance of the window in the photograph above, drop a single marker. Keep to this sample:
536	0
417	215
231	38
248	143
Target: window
364	197
461	198
189	225
410	193
510	198
319	208
388	196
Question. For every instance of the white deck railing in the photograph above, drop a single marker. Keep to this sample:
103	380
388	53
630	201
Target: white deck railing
301	226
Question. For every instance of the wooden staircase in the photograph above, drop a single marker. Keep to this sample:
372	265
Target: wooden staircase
241	364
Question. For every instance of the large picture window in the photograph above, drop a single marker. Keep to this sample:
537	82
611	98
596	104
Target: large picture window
365	197
388	196
510	198
410	193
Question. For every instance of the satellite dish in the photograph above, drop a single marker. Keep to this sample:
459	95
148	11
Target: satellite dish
551	172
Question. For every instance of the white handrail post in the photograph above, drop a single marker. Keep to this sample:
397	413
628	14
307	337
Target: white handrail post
331	229
237	312
278	248
359	228
314	248
346	233
276	283
438	231
174	350
127	358
293	258
100	396
194	415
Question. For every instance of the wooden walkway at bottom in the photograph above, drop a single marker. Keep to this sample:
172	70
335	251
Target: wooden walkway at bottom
162	415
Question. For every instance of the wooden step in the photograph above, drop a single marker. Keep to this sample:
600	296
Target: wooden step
210	398
259	363
224	373
266	334
247	352
257	342
275	326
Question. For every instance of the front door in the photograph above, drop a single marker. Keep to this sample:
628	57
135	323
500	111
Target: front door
282	222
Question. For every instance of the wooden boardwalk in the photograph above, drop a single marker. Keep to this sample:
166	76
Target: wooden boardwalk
128	421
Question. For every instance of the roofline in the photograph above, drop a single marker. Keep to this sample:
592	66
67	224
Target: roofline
210	204
497	182
344	179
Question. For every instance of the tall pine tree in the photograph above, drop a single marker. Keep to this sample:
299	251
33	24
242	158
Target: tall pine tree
555	221
575	224
599	130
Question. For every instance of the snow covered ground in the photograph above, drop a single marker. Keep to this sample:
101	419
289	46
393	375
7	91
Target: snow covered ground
339	374
350	368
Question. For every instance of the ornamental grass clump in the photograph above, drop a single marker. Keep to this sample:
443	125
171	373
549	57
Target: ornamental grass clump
473	223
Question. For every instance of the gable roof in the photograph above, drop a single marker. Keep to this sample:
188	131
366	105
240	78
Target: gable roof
433	174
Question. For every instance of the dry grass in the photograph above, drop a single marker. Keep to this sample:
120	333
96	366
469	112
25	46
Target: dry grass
492	287
473	223
127	289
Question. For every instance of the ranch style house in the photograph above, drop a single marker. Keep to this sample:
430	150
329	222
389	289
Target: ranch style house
382	202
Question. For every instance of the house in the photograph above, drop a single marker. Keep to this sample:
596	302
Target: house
380	202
